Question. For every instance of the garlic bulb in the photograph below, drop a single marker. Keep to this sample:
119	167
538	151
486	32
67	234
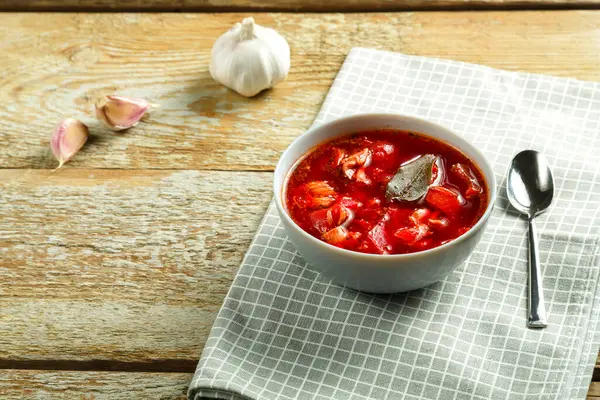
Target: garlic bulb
250	58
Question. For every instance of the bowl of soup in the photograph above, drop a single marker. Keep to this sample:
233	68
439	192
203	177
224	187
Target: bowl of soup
384	203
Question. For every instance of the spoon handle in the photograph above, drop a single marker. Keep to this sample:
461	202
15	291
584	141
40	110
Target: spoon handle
537	310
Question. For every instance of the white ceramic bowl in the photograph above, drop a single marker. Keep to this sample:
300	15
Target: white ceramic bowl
373	272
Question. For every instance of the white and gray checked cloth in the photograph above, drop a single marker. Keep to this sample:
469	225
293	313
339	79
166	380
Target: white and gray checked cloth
285	332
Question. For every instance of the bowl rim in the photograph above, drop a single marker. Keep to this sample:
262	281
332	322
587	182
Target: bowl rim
278	194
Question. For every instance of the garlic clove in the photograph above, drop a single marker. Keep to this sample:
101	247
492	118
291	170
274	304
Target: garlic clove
68	137
250	58
120	113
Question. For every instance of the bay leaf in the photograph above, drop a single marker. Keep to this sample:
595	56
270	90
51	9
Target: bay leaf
411	182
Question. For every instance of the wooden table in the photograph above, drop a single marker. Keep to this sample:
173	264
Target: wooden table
113	268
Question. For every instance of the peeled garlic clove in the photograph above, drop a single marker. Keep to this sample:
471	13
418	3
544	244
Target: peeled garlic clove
69	136
120	113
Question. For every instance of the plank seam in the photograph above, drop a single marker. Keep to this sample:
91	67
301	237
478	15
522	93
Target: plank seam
161	365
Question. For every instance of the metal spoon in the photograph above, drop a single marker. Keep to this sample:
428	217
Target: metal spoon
530	190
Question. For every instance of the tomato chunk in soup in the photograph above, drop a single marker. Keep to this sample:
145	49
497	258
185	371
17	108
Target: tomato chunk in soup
337	193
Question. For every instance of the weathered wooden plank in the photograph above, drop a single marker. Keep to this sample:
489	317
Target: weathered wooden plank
55	65
120	265
107	335
594	392
19	385
284	5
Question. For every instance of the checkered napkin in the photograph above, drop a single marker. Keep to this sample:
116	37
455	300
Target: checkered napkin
285	332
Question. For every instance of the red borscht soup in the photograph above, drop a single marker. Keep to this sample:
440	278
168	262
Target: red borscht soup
386	192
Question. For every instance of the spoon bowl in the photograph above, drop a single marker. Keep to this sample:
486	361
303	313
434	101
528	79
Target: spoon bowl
530	190
530	186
